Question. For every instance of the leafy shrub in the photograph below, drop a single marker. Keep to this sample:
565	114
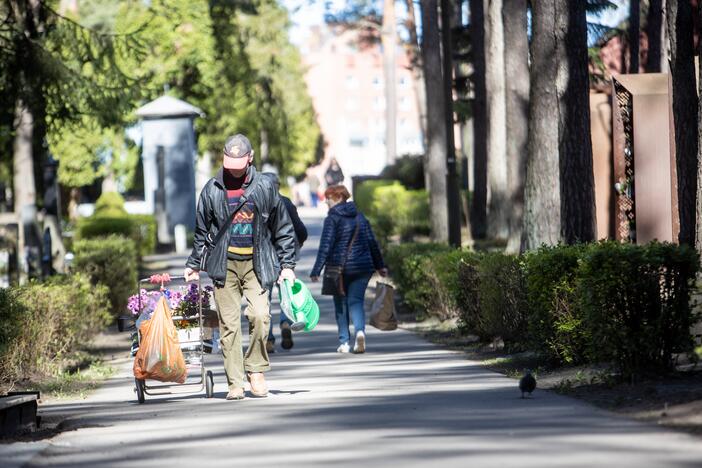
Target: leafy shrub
428	278
408	170
363	194
555	317
110	261
502	298
144	233
636	304
110	205
140	228
42	322
392	209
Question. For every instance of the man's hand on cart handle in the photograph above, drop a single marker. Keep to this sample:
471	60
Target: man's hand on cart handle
191	275
286	274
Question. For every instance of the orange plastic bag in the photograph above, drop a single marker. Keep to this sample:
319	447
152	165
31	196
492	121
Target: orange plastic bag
159	356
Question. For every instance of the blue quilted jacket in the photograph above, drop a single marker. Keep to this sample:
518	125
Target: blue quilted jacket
339	226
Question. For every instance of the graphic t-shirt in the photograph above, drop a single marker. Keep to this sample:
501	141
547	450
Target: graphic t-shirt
241	229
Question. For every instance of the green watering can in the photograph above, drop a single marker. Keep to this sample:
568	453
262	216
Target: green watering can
298	305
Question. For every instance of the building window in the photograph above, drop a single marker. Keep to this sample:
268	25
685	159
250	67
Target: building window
351	82
377	82
357	141
378	103
403	81
404	103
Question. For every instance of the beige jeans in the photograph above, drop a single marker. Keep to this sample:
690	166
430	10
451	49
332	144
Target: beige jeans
242	282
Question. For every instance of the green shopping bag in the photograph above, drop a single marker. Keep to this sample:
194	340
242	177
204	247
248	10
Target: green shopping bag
298	305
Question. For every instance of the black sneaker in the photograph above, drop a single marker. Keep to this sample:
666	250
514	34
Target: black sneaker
286	334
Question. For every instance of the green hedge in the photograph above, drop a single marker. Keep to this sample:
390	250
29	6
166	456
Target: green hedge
111	261
427	275
110	217
392	209
139	228
556	326
636	304
606	302
42	322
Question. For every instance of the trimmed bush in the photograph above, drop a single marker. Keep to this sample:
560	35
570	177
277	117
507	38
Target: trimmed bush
428	278
110	205
42	322
393	210
139	228
408	170
555	317
636	304
502	299
111	261
365	192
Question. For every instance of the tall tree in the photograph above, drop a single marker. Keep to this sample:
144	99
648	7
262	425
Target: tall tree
453	193
654	32
498	191
416	62
514	17
436	120
559	185
682	71
634	34
478	208
388	36
698	226
55	71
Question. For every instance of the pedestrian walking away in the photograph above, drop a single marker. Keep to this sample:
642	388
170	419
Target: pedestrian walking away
245	241
314	184
300	238
348	243
334	174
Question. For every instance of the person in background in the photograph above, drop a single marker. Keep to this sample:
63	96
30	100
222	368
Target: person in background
313	184
348	240
300	238
334	174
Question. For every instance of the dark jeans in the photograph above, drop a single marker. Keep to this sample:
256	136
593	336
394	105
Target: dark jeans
283	319
351	305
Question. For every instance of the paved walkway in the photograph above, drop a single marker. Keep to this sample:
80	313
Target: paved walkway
404	403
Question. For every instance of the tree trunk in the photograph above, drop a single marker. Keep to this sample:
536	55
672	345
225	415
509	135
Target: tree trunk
514	17
542	193
560	199
578	187
682	70
389	40
634	34
654	32
698	226
498	192
24	191
436	122
478	208
453	194
418	81
416	62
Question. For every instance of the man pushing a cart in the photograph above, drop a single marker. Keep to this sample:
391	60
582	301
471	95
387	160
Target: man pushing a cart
244	240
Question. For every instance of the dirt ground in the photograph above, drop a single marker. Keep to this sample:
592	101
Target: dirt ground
673	401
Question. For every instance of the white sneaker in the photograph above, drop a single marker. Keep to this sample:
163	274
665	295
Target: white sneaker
343	348
359	346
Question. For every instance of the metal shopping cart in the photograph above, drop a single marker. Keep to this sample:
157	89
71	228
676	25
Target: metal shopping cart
192	337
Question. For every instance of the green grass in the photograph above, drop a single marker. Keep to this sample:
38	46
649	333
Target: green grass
76	382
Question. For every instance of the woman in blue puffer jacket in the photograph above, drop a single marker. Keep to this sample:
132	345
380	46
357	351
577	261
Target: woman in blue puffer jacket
359	262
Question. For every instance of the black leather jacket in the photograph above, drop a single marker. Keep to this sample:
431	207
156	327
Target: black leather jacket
273	234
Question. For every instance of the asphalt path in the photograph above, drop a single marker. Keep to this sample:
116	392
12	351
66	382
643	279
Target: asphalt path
405	402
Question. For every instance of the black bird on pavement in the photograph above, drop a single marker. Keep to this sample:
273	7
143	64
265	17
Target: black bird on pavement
527	384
